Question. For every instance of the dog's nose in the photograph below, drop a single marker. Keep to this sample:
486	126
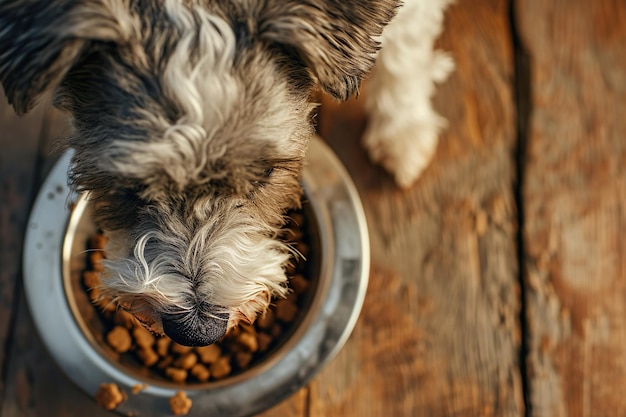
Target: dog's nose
192	329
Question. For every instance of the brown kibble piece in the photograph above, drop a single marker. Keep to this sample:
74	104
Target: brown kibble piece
243	359
294	234
143	337
232	333
163	345
221	367
109	396
286	311
98	241
296	220
105	303
186	361
264	341
247	328
148	356
94	296
292	298
124	318
176	374
201	372
302	248
137	388
165	362
209	354
291	268
298	284
248	342
91	279
95	259
180	404
180	349
266	321
276	331
119	339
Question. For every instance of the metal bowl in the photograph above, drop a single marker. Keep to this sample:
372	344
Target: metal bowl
55	237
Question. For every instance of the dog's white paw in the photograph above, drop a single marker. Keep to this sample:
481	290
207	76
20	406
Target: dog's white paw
406	150
403	128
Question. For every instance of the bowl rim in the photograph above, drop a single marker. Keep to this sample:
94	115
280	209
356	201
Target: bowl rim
345	256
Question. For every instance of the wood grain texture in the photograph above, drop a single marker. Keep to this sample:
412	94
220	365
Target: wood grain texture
19	140
439	334
575	206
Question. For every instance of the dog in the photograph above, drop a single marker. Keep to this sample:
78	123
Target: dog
191	123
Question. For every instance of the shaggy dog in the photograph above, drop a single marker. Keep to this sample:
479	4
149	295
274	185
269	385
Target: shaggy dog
191	121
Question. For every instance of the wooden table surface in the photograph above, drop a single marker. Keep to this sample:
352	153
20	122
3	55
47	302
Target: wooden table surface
498	282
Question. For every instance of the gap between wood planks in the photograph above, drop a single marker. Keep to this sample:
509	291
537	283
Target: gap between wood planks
522	99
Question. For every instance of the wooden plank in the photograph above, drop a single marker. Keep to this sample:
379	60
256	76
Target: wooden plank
439	334
19	138
575	206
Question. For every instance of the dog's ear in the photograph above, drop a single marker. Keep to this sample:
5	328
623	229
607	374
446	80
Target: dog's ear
40	40
336	39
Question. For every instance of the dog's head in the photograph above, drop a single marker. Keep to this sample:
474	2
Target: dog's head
191	125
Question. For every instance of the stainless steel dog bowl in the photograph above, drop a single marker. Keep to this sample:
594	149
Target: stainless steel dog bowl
53	245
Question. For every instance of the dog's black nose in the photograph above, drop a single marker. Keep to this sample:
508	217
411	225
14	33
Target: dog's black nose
193	329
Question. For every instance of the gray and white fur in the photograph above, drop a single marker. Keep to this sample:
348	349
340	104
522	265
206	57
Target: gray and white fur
191	126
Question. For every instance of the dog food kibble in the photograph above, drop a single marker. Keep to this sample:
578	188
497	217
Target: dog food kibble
97	242
276	330
302	249
180	404
176	374
137	388
248	341
298	284
286	310
96	259
148	356
186	361
143	337
201	372
266	321
180	349
209	354
264	341
243	359
163	346
109	396
221	367
125	319
239	350
91	279
119	339
165	362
